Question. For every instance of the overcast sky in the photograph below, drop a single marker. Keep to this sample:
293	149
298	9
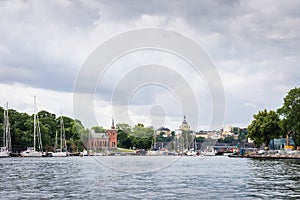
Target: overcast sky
255	46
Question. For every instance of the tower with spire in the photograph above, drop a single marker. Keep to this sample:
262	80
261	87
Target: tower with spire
184	125
112	135
113	123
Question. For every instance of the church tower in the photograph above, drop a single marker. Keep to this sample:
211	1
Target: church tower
184	126
112	135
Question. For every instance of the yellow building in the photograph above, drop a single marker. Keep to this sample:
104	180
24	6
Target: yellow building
227	131
166	132
184	126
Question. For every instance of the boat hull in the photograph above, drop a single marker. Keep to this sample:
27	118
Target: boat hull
59	154
31	154
4	154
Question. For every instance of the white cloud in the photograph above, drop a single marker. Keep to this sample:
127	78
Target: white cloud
255	46
20	97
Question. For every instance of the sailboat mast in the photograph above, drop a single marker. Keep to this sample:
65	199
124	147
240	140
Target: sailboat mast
4	127
55	144
61	133
154	139
34	123
64	136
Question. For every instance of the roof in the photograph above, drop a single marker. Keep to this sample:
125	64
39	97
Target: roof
163	129
93	134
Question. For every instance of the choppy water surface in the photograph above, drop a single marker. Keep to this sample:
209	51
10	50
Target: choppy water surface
148	178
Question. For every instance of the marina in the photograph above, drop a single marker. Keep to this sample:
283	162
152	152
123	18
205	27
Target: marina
149	100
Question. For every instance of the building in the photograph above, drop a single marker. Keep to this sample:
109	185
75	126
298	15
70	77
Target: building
166	132
203	134
112	135
96	141
184	125
227	131
208	134
183	128
100	141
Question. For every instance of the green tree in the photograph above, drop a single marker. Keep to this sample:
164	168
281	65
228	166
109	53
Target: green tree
48	126
290	113
243	135
142	132
264	127
99	129
124	139
21	129
123	127
200	139
142	137
79	135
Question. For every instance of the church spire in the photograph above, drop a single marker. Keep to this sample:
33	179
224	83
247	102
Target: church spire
112	123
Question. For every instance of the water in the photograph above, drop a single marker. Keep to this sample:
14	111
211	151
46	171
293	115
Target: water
148	178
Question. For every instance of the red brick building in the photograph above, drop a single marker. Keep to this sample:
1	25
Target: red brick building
112	135
99	141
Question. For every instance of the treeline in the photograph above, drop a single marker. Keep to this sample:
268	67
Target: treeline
21	130
138	137
284	122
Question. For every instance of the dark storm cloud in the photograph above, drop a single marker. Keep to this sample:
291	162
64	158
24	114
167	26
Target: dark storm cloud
35	47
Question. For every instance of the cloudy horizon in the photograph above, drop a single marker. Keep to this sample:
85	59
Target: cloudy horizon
254	46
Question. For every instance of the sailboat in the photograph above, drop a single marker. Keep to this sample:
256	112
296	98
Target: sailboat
62	152
36	150
152	151
5	149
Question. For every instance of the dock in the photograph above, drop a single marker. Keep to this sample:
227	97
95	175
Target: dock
271	154
274	156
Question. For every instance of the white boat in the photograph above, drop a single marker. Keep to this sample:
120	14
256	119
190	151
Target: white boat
36	150
191	153
59	154
5	149
84	153
62	151
154	153
4	152
209	153
31	152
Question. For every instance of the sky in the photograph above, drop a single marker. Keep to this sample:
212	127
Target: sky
254	46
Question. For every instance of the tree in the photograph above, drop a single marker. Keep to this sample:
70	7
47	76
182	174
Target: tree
141	136
48	126
124	139
124	131
21	129
99	129
290	112
243	135
124	127
264	127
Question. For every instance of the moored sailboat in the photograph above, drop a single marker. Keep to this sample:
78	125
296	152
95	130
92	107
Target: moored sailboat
36	150
5	149
62	151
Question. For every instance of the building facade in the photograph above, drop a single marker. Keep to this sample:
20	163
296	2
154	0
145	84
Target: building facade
184	125
100	141
112	135
166	132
